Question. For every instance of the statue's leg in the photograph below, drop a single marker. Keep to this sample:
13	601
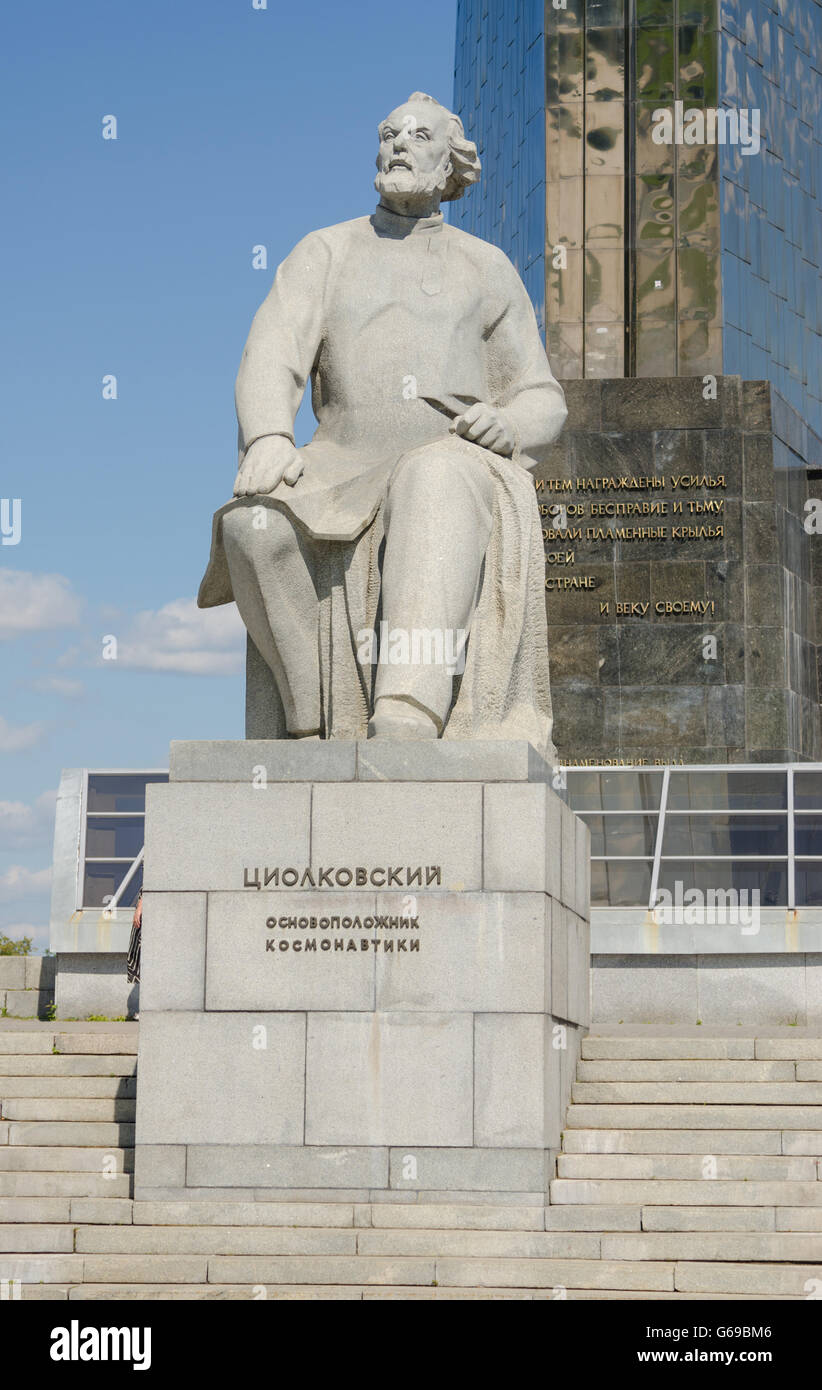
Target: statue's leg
272	578
438	518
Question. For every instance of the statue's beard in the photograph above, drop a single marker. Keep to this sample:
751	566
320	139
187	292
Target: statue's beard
410	183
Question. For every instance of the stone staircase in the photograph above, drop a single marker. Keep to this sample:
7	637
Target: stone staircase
689	1169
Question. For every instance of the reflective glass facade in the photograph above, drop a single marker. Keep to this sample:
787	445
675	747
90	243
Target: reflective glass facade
771	204
655	257
710	829
500	94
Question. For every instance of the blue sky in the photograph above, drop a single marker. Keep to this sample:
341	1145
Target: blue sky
236	127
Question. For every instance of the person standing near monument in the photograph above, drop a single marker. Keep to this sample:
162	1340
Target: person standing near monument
412	509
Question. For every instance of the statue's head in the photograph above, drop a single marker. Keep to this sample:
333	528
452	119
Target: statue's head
424	154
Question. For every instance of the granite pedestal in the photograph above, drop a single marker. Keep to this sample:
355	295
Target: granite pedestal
365	971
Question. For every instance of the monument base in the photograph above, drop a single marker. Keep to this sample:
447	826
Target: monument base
365	972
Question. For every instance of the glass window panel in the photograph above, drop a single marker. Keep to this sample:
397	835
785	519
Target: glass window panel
101	882
605	64
622	790
622	835
808	885
719	875
807	790
107	838
765	835
655	64
733	791
120	791
626	884
807	834
697	66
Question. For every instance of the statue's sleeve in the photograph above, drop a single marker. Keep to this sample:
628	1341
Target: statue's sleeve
283	344
522	383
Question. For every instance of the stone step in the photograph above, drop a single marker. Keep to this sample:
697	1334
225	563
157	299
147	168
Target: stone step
27	1209
688	1069
362	1293
99	1044
716	1219
673	1141
230	1213
698	1093
798	1219
306	1240
669	1192
56	1210
67	1088
15	1041
450	1216
300	1293
257	1269
105	1211
71	1111
50	1159
44	1269
707	1166
692	1117
809	1071
600	1047
460	1271
803	1142
593	1218
27	1003
49	1064
580	1274
63	1134
531	1245
64	1185
766	1280
711	1245
23	1239
217	1240
795	1049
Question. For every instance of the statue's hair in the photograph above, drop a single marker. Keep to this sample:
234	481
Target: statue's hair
465	163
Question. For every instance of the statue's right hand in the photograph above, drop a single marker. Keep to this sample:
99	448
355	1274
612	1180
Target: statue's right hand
270	459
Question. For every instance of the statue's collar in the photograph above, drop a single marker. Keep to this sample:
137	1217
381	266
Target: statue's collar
384	220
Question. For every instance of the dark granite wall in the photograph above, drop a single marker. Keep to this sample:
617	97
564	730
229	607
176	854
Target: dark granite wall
738	681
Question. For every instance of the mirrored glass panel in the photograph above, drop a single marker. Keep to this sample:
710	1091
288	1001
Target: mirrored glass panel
120	791
807	834
613	791
731	791
809	885
769	879
101	882
622	835
807	790
114	837
736	835
625	883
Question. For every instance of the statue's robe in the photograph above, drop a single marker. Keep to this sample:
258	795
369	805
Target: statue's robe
386	314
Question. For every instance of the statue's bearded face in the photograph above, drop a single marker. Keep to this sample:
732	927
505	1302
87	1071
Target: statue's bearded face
415	152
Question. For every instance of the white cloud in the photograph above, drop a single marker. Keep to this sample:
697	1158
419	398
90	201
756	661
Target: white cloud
19	882
34	602
183	638
23	826
60	685
14	738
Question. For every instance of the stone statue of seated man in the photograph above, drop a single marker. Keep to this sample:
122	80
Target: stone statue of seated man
390	573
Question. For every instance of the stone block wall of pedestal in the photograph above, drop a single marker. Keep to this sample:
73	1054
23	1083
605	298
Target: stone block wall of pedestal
363	973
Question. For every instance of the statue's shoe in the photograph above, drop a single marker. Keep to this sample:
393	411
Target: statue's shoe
398	719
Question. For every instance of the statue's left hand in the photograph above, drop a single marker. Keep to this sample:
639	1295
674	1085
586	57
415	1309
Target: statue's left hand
270	460
485	425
